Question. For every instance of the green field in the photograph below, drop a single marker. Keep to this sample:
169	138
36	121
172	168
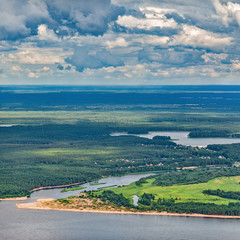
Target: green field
165	118
72	189
185	193
95	184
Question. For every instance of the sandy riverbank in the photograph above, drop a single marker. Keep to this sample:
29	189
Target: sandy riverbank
52	187
38	189
38	205
14	199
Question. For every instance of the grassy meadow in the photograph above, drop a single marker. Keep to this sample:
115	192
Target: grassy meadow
185	193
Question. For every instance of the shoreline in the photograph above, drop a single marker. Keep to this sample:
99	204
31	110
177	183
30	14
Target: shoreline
61	186
33	205
52	187
38	189
14	199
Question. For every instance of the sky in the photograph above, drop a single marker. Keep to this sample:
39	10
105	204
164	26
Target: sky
119	42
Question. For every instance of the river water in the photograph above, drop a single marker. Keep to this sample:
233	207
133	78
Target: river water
183	139
25	224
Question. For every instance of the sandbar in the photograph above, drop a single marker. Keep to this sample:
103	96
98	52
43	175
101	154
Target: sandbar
38	189
37	205
14	199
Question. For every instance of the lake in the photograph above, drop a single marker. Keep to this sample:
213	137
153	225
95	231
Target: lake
19	224
182	138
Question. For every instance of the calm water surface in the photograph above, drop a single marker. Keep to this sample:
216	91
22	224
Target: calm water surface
183	139
21	224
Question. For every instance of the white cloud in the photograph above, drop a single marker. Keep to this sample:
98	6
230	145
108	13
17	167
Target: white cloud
186	72
155	12
228	12
119	42
209	72
33	75
187	39
128	75
126	71
36	72
196	37
214	58
154	17
148	23
156	40
236	64
45	69
34	55
16	69
44	33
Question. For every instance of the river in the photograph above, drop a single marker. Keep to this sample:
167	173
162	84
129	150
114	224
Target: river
183	139
22	224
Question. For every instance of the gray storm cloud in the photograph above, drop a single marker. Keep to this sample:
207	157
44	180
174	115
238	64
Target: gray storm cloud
21	18
83	58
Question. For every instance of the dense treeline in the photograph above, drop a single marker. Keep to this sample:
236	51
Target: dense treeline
161	140
146	199
196	119
230	151
117	199
209	133
147	202
223	194
19	182
236	135
170	205
140	182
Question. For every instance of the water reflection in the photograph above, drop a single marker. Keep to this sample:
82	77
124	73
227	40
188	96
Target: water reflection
182	138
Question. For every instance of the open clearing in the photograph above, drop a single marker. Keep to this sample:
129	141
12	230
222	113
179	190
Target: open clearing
185	193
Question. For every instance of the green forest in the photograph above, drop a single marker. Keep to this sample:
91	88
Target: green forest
49	139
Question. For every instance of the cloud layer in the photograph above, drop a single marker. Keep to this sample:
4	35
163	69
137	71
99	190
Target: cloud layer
120	42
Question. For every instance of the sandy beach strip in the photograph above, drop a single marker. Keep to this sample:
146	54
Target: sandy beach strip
52	187
14	199
35	205
38	189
